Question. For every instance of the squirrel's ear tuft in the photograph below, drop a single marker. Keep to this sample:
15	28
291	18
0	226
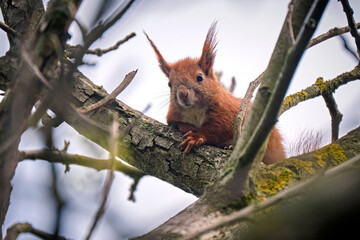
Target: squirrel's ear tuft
206	60
165	67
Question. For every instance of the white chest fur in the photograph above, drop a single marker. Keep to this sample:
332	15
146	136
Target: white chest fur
195	116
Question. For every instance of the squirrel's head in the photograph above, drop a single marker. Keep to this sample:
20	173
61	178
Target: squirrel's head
192	81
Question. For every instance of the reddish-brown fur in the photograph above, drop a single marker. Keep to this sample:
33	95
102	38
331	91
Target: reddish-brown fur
200	107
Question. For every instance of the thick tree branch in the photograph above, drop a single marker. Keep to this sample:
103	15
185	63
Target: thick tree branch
267	212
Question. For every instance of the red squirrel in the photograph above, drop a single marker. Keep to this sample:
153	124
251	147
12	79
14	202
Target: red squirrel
200	107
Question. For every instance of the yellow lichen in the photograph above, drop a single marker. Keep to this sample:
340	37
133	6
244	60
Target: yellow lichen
321	84
270	182
288	100
300	166
330	155
303	95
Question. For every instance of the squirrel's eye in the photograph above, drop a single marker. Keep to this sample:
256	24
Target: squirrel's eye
169	84
199	77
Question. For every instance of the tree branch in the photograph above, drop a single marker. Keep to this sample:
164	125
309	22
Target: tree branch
9	30
289	23
60	156
331	33
352	24
348	48
316	89
335	114
98	31
99	52
110	176
71	50
111	97
15	230
259	213
245	106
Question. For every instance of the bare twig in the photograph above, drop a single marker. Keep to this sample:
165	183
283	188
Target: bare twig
15	230
111	97
347	47
97	31
245	105
110	176
101	209
58	200
71	50
335	114
9	30
289	23
99	52
35	69
331	33
351	22
60	156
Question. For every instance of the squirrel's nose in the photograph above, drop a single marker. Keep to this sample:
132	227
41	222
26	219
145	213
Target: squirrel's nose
183	95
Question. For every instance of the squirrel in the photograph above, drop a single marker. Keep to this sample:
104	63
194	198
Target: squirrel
200	107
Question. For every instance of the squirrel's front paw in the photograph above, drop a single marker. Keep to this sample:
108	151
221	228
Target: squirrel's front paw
192	139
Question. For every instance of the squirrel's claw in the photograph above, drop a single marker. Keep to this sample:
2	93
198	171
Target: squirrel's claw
192	140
